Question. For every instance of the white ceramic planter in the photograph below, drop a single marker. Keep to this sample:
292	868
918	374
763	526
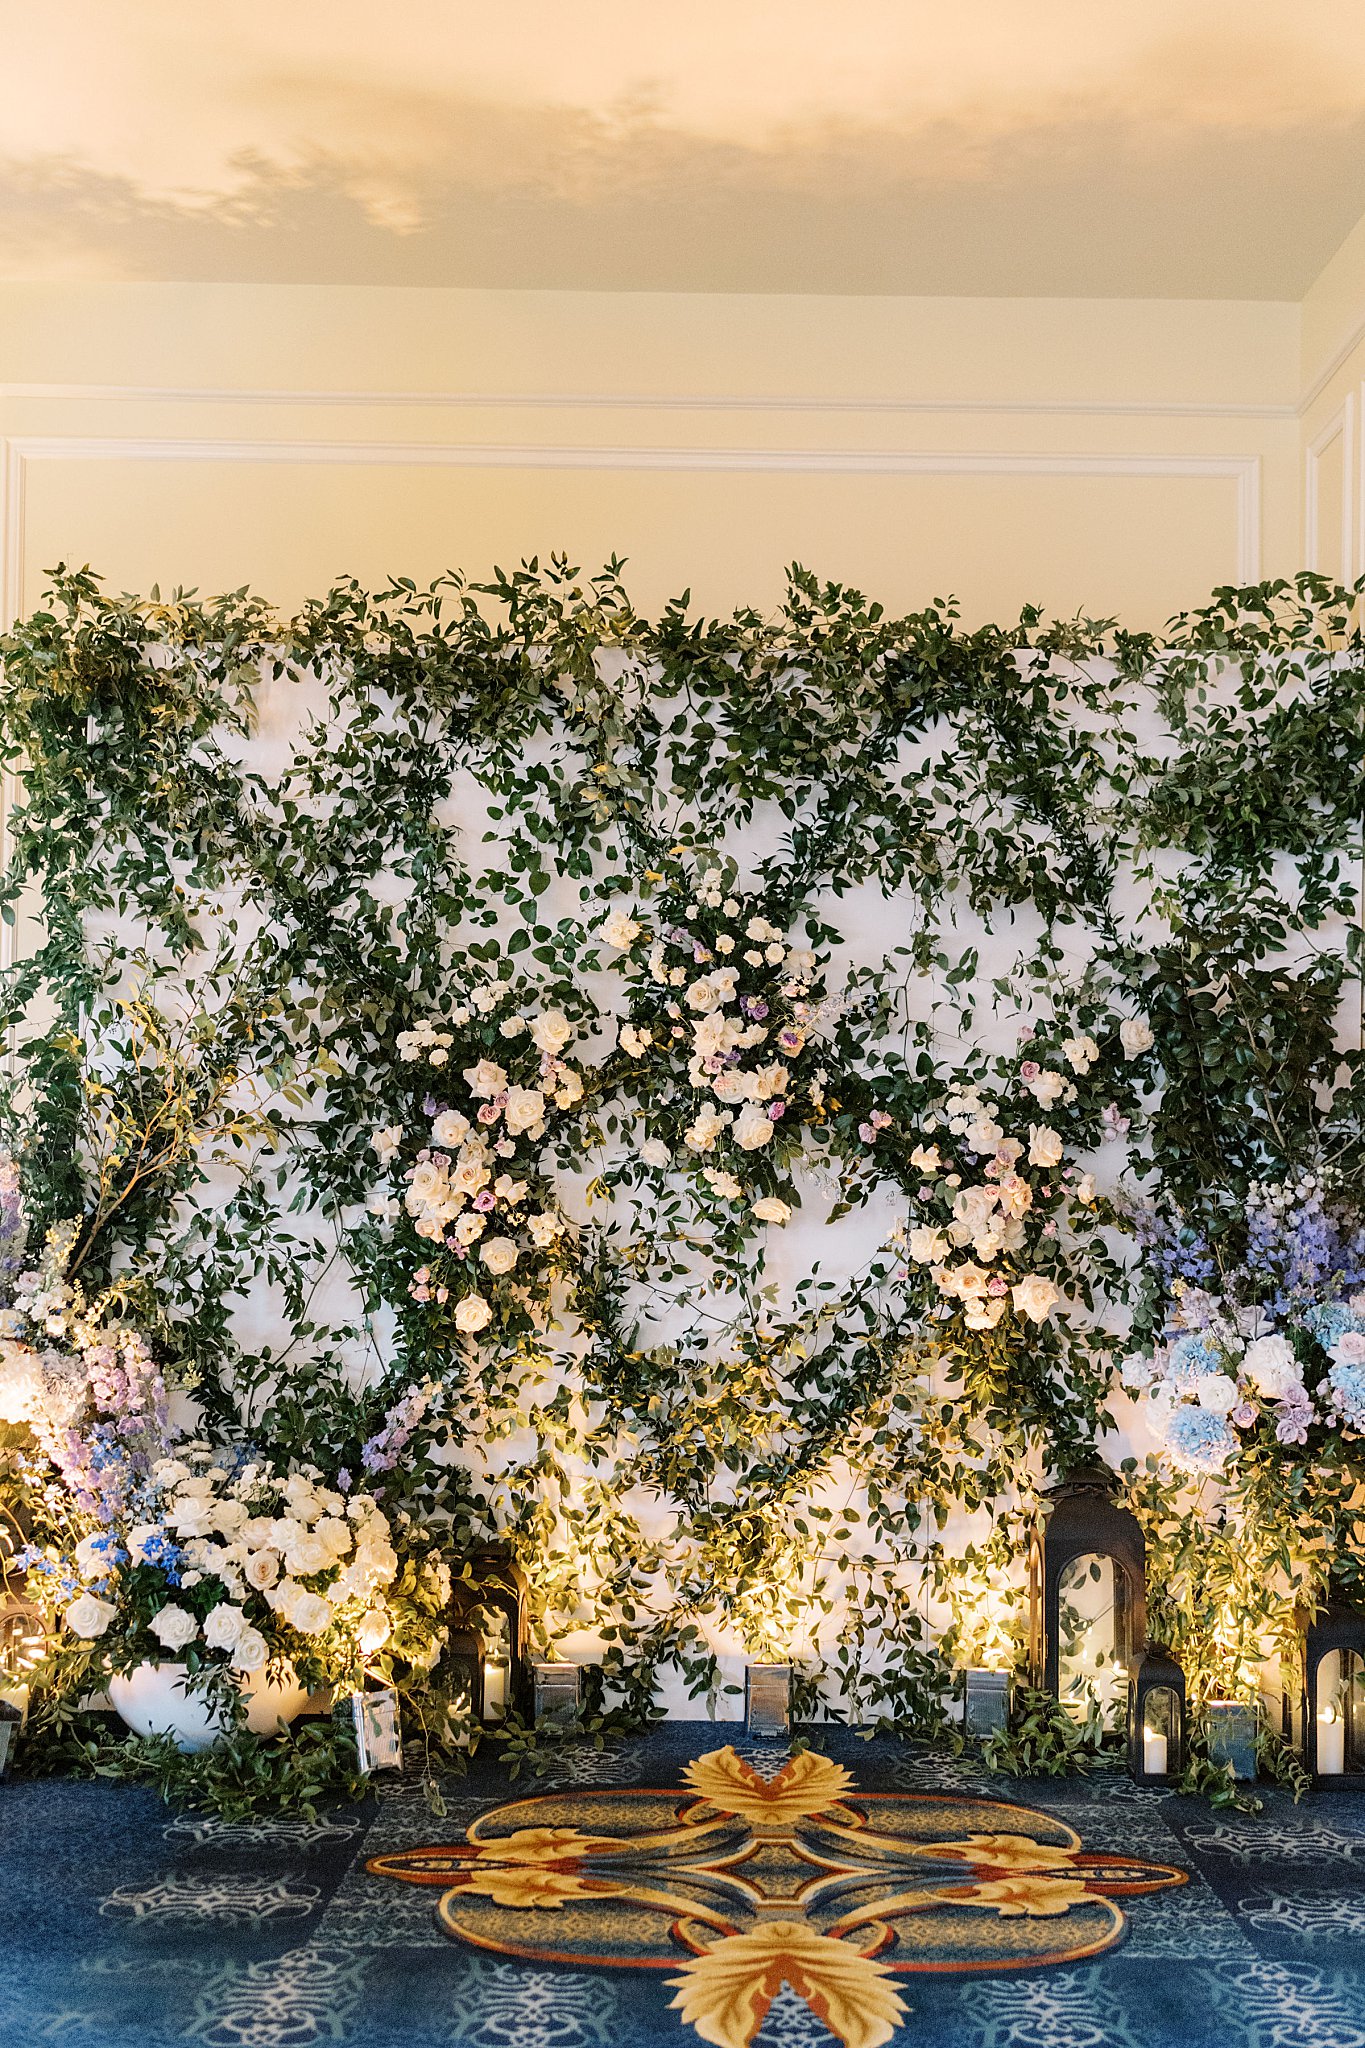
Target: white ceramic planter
152	1700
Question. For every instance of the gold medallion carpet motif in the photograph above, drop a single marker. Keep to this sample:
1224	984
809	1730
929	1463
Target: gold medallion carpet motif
742	1884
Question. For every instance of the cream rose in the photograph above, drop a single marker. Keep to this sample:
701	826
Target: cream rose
310	1614
525	1107
753	1129
1035	1297
551	1031
487	1078
88	1617
261	1570
173	1627
1044	1145
772	1209
223	1624
373	1631
619	930
499	1254
450	1128
472	1314
250	1652
1135	1036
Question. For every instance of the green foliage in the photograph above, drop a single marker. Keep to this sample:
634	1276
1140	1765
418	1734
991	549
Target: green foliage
1043	1740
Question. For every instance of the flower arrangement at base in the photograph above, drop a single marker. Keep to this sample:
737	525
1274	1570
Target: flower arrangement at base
1259	1329
226	1569
465	1209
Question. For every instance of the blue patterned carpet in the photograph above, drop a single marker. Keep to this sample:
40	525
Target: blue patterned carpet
123	1925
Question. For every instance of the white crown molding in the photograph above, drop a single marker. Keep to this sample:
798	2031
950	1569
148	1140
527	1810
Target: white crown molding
1244	471
618	401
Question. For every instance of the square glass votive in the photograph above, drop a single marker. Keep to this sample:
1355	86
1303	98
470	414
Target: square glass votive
985	1702
767	1699
1230	1727
554	1693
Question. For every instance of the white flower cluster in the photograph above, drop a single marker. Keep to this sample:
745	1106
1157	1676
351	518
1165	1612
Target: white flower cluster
980	1201
460	1192
738	1031
289	1553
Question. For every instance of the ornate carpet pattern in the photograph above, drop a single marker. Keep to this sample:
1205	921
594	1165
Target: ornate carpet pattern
678	1890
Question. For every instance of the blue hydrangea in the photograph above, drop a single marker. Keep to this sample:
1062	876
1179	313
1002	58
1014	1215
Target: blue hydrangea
1192	1358
1329	1320
1199	1441
1348	1384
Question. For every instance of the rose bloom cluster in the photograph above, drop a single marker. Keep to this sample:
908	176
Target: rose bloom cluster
241	1567
470	1191
726	1007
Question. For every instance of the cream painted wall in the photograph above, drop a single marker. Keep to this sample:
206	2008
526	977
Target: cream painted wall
1117	456
1333	376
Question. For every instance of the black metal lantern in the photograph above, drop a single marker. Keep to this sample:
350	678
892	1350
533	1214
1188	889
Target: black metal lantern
486	1647
1156	1717
1087	1594
1334	1693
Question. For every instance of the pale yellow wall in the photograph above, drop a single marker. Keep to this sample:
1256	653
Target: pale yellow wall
1120	456
1333	377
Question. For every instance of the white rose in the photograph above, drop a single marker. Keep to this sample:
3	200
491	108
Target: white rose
703	994
703	1133
525	1106
654	1152
927	1247
223	1624
772	1209
499	1254
261	1569
487	1078
1271	1367
1046	1087
308	1555
635	1044
983	1312
1035	1297
310	1614
619	930
250	1652
89	1617
1135	1036
472	1314
724	1184
1080	1054
966	1279
926	1158
373	1631
1044	1145
1084	1190
543	1229
174	1627
450	1128
984	1133
1218	1393
551	1031
138	1539
384	1142
753	1129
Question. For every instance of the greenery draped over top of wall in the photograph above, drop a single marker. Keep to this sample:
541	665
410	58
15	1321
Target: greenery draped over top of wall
1068	825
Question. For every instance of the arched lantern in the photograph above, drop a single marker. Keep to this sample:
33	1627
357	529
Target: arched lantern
1334	1693
1087	1593
1156	1717
486	1649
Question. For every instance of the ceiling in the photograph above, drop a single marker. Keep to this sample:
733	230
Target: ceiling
1178	148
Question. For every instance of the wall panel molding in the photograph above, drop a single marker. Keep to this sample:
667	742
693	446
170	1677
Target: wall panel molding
1319	519
21	451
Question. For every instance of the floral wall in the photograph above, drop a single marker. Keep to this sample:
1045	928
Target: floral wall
731	1109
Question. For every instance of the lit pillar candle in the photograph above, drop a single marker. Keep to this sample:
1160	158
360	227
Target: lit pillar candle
1153	1753
495	1672
1331	1745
